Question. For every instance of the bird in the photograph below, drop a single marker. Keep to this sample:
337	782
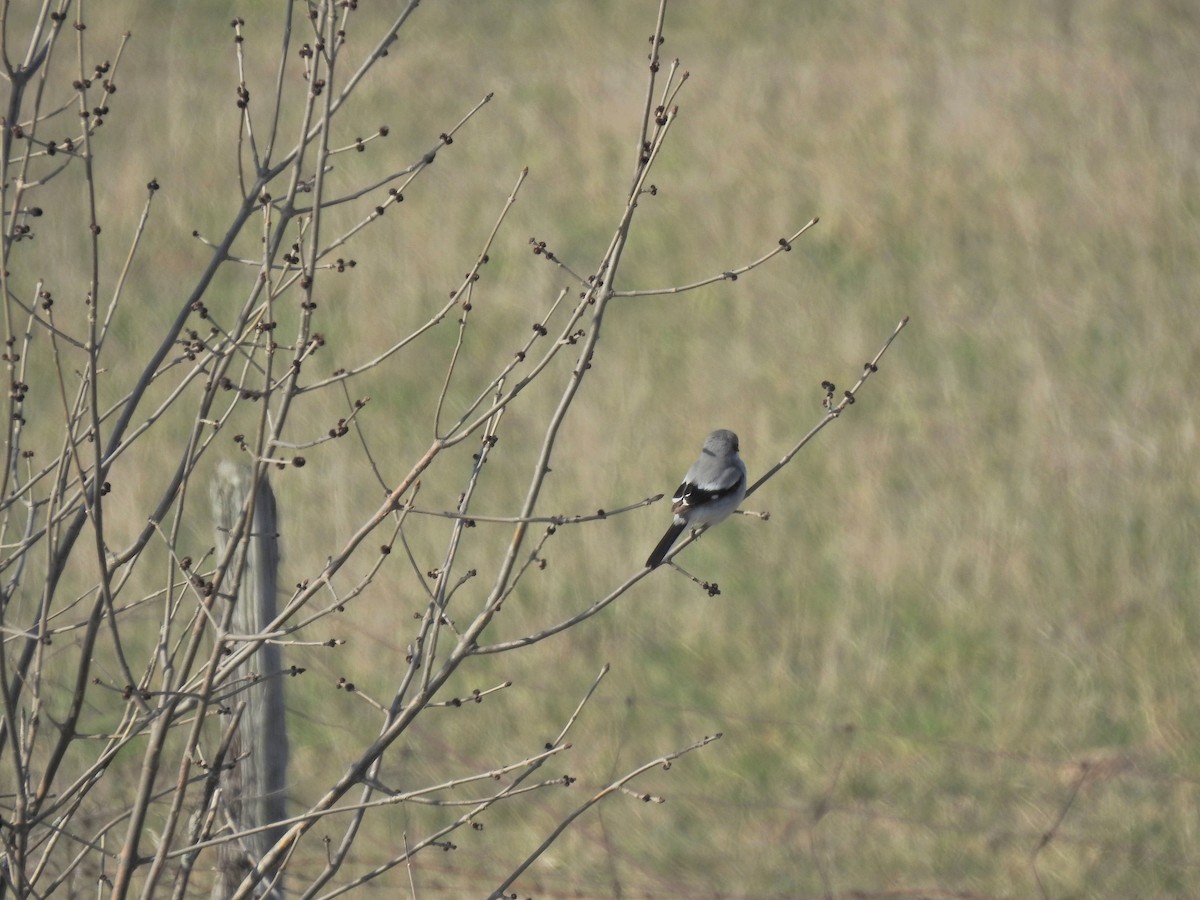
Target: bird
711	490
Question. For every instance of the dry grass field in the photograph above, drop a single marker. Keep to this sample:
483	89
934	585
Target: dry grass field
960	658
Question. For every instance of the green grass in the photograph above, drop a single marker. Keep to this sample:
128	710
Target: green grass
987	567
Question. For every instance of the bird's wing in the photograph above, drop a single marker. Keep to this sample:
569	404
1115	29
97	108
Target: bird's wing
692	494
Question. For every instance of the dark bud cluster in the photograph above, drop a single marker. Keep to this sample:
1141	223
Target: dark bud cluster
205	588
130	690
829	387
540	249
193	346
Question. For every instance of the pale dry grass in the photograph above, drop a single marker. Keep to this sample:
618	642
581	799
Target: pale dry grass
987	567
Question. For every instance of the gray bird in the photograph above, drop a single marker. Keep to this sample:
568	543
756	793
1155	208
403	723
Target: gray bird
711	490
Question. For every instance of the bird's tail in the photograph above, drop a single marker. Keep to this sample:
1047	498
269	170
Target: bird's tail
664	545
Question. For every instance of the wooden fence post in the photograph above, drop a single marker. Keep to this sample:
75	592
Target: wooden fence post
254	789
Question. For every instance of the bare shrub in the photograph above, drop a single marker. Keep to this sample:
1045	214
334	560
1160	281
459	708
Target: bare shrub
125	675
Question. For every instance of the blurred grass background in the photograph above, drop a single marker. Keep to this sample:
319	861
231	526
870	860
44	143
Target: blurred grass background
975	593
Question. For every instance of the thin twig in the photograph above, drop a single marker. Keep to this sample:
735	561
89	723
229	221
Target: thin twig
784	245
663	761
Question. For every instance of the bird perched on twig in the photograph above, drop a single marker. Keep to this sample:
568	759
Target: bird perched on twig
711	490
